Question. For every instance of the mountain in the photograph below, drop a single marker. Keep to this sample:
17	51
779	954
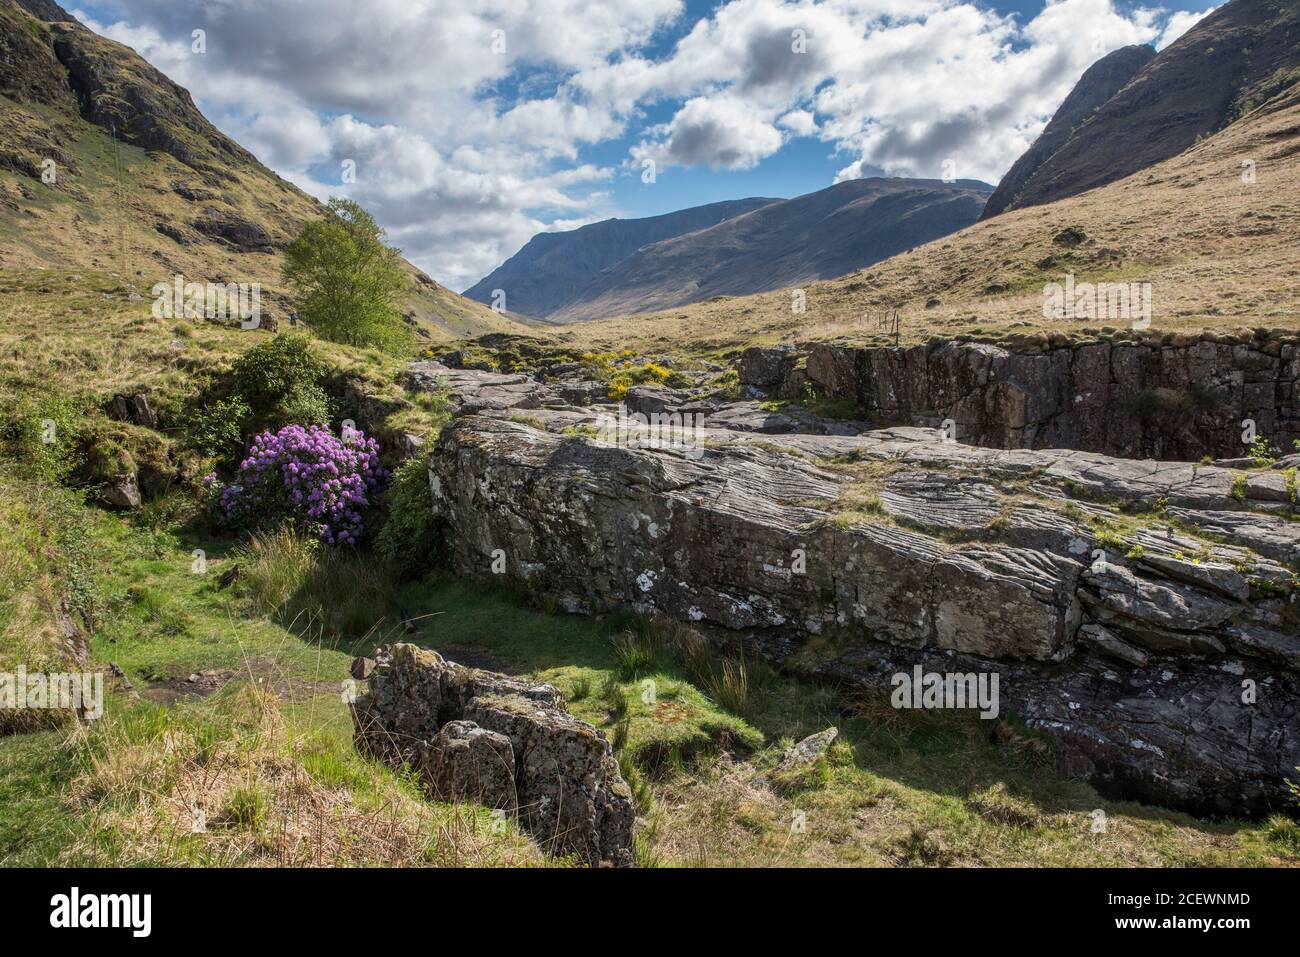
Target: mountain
553	268
107	165
1217	252
1098	84
780	243
1227	64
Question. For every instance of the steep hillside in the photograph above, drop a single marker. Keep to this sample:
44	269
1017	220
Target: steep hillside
782	243
1098	84
1219	253
1229	63
107	165
554	268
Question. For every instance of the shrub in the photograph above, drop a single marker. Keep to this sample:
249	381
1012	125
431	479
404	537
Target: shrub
308	478
409	537
217	430
1262	453
41	435
281	382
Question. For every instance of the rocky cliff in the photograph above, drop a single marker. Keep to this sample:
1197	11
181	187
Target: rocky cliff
1153	395
1142	615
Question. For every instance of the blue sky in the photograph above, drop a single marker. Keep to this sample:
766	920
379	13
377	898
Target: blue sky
471	125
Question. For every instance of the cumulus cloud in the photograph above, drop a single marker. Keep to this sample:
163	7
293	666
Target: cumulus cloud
720	132
467	123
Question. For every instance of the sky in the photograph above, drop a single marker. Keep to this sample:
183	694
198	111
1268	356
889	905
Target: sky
468	126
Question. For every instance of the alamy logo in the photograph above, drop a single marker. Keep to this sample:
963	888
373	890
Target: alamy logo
1130	301
82	692
932	690
235	301
659	430
134	911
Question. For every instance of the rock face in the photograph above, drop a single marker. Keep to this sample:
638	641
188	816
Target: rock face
480	736
1143	614
240	233
1181	399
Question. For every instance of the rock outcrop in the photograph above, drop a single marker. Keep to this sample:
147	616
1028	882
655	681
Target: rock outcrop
1142	614
1150	395
509	744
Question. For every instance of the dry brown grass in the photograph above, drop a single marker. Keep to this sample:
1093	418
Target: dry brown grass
1219	254
179	793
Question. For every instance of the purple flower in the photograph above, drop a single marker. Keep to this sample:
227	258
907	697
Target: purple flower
306	476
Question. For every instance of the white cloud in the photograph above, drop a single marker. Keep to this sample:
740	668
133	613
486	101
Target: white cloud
720	132
799	122
1180	23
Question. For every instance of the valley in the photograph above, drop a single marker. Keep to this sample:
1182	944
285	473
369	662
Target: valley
628	567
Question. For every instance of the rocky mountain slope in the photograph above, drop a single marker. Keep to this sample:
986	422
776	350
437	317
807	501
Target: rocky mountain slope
782	243
107	165
1098	84
554	268
1226	65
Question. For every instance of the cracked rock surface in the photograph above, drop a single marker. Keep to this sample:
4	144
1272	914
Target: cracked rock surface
1144	614
500	741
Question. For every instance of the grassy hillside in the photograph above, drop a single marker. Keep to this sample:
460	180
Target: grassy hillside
1219	253
143	186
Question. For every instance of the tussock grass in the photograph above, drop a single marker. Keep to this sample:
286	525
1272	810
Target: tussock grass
303	585
238	783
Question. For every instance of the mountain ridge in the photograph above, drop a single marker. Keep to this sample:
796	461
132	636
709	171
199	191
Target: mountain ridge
1098	84
815	236
1230	61
576	256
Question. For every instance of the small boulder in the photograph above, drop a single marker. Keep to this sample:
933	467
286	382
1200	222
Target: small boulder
464	762
808	750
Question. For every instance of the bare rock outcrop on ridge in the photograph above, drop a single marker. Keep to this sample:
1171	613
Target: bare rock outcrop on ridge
1167	396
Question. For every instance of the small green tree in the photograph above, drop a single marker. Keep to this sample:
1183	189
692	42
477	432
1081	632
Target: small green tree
347	279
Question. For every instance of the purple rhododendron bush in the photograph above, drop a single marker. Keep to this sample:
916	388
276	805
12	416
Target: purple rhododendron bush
307	477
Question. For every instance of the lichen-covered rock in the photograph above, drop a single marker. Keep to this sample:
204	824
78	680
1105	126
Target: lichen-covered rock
808	750
1160	652
464	762
501	741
